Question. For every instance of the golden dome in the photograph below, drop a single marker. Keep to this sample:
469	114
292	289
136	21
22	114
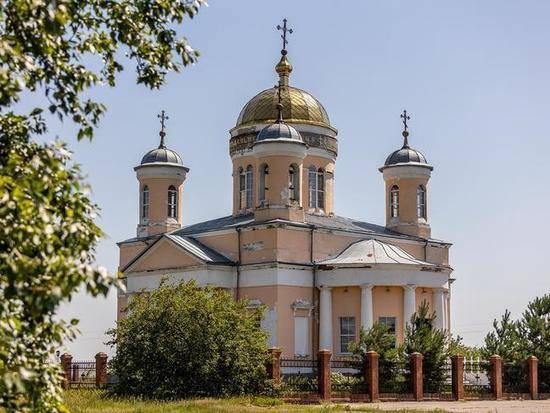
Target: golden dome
298	107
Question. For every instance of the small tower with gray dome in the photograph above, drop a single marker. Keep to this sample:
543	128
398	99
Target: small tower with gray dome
406	174
161	174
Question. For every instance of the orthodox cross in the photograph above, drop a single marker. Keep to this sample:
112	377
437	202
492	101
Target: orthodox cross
163	118
285	30
405	118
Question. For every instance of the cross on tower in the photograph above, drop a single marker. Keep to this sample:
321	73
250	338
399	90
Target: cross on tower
163	118
285	30
405	118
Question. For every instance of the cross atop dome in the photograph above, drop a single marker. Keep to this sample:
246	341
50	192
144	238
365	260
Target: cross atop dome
163	118
284	67
405	133
285	30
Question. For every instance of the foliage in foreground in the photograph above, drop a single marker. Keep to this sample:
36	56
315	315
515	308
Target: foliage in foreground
85	401
59	50
515	340
436	347
180	341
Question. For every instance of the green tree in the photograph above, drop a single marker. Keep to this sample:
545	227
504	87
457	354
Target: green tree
534	329
435	345
59	50
181	341
504	340
379	338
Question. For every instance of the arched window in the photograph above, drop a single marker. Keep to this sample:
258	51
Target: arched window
312	186
264	170
242	188
172	202
321	188
316	181
294	183
249	186
145	202
421	201
394	201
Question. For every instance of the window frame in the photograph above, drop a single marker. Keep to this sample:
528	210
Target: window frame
172	202
263	172
421	210
145	202
394	201
294	183
350	321
249	186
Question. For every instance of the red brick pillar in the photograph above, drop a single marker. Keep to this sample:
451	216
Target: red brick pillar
416	373
371	375
66	364
457	364
533	376
323	373
274	364
100	369
496	376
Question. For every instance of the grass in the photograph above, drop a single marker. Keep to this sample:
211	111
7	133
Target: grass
92	401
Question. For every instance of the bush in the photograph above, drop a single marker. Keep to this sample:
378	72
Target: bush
181	341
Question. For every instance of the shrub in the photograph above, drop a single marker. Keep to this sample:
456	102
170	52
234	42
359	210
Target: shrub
181	341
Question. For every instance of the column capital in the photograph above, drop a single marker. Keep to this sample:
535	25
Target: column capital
324	288
410	287
366	286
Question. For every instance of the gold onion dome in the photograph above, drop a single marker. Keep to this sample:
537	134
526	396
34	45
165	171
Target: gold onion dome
298	105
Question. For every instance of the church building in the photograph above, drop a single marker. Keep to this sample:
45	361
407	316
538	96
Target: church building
322	277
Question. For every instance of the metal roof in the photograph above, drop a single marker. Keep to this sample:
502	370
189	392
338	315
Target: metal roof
371	252
198	249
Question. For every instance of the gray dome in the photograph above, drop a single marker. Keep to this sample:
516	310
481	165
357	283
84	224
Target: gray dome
279	131
162	155
405	155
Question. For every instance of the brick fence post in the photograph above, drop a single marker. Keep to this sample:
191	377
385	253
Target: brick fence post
457	372
416	372
274	364
323	373
371	375
66	364
496	376
100	369
533	377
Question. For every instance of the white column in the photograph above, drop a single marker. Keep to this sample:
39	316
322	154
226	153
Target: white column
325	318
447	310
409	303
366	306
439	308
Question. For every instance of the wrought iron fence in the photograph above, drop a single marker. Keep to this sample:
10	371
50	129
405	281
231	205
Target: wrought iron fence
394	376
515	378
298	375
476	378
347	376
82	374
437	380
544	378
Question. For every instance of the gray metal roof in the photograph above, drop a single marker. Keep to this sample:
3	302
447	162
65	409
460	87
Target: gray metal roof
198	249
372	252
279	131
406	155
162	155
334	222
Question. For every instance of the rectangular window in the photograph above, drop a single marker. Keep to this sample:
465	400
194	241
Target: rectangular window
347	333
301	336
312	185
388	321
249	186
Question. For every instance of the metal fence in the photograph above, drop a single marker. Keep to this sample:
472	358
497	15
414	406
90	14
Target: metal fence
347	376
298	377
476	378
544	380
82	374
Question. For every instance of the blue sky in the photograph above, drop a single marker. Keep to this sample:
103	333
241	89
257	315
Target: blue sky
473	75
